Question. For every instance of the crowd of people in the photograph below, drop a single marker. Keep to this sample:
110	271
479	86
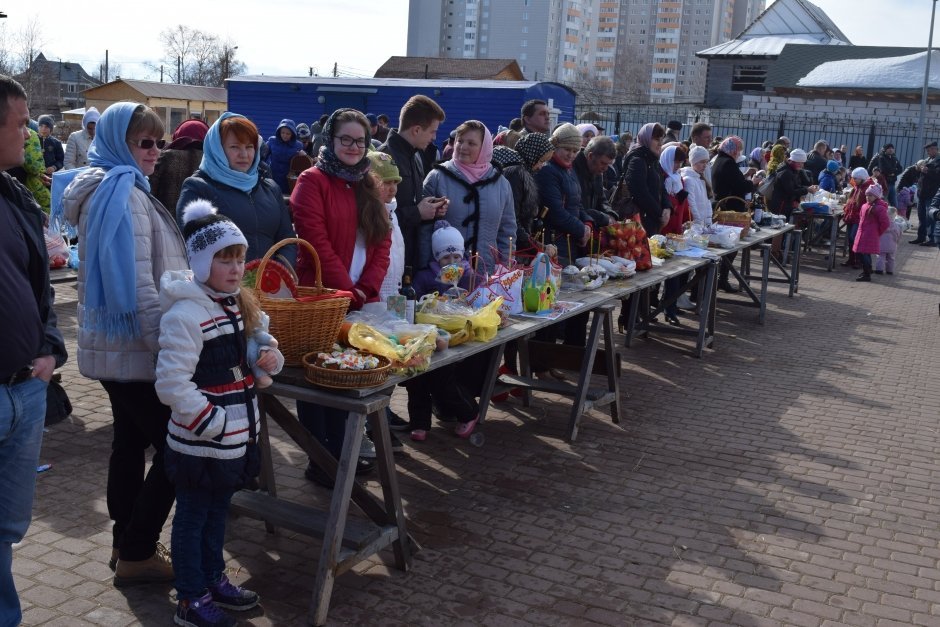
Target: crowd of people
164	232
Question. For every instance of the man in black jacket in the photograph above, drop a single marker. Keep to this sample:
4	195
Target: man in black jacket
890	167
33	346
590	165
816	161
417	127
927	187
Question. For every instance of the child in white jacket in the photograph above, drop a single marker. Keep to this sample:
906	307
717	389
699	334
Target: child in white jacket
694	180
204	375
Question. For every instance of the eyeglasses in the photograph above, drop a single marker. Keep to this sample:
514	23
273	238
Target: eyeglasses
147	144
346	140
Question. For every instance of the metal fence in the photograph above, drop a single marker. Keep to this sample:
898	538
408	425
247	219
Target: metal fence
803	128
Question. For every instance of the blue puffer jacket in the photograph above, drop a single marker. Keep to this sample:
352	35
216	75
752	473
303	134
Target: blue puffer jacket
827	181
281	152
560	192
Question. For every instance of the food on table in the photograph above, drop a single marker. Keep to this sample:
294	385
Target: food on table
347	359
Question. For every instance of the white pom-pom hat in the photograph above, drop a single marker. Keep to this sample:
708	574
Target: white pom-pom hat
206	233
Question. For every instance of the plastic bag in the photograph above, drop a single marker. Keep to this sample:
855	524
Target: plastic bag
724	236
408	346
56	247
453	316
503	283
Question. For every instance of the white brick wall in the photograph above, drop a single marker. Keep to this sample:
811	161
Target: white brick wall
895	111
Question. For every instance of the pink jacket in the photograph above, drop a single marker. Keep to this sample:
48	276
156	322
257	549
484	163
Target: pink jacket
873	222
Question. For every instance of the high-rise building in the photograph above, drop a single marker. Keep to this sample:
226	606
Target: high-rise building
627	50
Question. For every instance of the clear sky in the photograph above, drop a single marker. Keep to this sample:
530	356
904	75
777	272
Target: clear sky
287	37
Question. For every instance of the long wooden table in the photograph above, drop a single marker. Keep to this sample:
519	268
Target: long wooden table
349	540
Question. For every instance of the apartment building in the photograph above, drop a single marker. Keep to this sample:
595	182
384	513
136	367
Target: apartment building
628	50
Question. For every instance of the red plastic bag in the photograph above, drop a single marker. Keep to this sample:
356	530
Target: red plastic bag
628	239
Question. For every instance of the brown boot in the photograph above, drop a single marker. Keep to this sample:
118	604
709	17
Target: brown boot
155	569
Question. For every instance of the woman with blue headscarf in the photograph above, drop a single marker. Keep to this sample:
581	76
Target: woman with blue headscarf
126	241
228	178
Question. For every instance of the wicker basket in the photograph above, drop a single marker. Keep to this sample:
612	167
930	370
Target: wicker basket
345	379
302	327
733	218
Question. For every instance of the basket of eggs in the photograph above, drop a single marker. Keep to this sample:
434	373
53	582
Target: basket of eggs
345	369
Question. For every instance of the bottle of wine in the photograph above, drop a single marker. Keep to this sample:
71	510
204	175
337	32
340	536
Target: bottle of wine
410	296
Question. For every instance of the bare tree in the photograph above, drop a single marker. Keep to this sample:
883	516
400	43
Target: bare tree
196	57
6	56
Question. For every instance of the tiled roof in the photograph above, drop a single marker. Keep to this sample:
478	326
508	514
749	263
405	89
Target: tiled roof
434	67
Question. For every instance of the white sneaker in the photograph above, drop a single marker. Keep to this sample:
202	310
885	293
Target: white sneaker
366	448
684	302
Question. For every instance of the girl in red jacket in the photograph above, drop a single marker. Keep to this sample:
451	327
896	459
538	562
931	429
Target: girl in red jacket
338	210
873	222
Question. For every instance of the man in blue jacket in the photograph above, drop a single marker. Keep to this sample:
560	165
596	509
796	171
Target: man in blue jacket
33	347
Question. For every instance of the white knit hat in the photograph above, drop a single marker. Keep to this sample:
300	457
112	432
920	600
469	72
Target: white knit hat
698	153
445	240
860	174
207	233
798	155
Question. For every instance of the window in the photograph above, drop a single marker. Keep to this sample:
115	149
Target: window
524	43
748	77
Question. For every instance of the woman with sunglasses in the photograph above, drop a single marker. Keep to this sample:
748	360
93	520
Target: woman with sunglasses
228	178
337	209
126	240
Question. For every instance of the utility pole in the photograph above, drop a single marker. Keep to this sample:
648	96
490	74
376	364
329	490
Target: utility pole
923	96
336	68
106	66
179	69
161	72
311	70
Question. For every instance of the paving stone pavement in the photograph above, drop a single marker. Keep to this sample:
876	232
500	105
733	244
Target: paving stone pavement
790	477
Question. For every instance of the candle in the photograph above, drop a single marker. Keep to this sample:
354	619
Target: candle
591	249
473	268
510	251
568	238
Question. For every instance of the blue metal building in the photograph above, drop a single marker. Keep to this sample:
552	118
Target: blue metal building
266	100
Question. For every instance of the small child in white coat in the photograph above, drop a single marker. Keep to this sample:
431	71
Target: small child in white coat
693	178
204	375
889	244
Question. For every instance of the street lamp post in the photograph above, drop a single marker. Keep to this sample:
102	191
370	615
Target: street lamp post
923	96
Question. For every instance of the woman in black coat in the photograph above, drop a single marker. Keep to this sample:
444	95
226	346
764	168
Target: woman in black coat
644	180
728	181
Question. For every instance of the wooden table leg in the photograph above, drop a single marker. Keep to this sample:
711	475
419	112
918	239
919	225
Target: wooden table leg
706	308
267	480
388	477
764	281
795	268
584	379
336	523
610	356
489	380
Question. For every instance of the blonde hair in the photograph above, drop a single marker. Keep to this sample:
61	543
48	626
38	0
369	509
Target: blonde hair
248	303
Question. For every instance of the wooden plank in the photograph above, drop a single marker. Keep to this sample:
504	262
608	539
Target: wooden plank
565	357
303	519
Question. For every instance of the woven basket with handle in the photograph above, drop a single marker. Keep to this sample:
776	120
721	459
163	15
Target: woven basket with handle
302	327
733	218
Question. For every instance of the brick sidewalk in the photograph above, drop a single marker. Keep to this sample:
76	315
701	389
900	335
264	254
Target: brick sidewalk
788	478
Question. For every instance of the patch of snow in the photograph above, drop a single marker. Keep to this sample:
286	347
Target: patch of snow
905	72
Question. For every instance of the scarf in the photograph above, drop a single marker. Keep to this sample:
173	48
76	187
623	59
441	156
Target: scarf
644	136
476	170
329	161
504	157
778	155
532	147
215	163
110	276
667	163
